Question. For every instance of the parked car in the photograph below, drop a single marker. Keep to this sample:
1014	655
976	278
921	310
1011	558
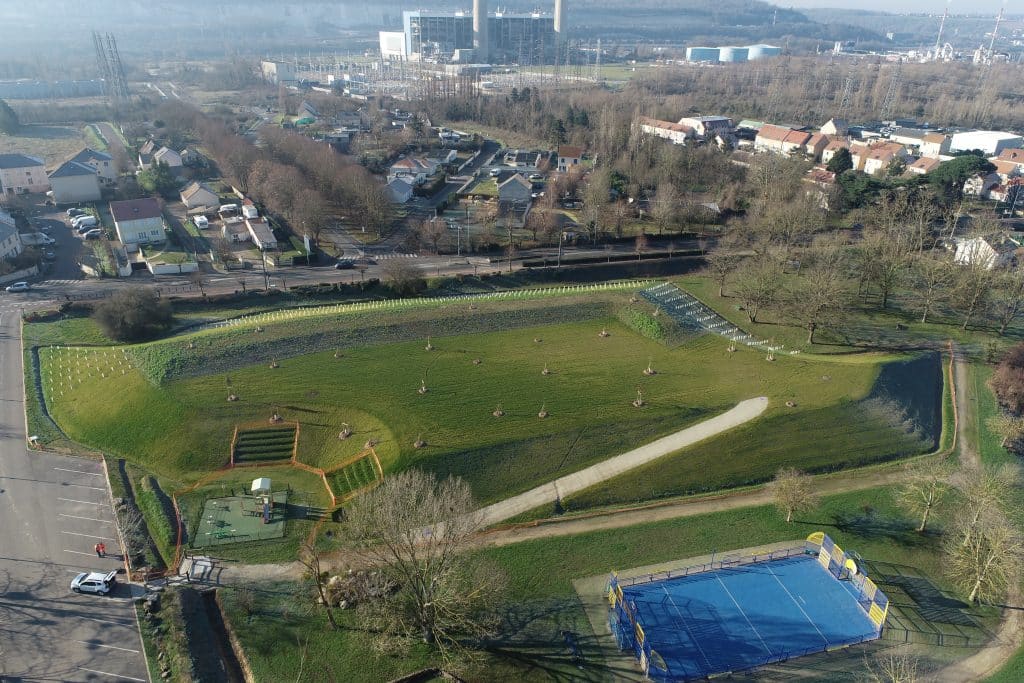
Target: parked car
94	582
536	176
345	264
76	212
93	234
49	256
18	287
82	220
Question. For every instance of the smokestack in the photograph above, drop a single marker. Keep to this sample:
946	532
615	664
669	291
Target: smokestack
480	42
560	19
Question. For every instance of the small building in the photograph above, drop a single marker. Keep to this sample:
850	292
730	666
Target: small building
816	145
924	165
168	156
837	127
569	157
235	230
521	158
874	159
979	185
198	195
990	252
261	233
22	174
249	209
677	133
399	191
708	126
780	140
515	190
934	145
74	182
10	241
138	221
278	73
1008	169
411	170
101	162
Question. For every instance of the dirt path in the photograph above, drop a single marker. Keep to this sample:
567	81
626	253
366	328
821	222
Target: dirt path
744	412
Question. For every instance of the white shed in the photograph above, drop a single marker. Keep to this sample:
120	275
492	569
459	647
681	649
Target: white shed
261	486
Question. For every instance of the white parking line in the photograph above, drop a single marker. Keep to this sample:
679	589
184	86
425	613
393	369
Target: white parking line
107	621
109	647
107	673
90	519
77	552
83	486
85	502
102	538
91	474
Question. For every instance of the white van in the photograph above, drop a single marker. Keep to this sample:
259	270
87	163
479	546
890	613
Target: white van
79	221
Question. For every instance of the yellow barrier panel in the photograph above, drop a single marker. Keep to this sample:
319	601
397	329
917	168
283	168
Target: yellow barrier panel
639	636
611	597
824	558
817	538
618	592
877	614
838	555
870	589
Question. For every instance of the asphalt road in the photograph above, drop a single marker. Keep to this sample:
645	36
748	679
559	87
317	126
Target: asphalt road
53	510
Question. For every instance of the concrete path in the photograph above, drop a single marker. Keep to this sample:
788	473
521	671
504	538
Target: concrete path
745	411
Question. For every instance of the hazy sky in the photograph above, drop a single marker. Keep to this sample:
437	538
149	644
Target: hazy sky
960	6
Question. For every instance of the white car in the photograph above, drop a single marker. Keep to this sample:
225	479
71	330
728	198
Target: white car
94	582
18	287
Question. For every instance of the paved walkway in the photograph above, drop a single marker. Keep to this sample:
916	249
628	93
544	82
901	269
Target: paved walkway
745	411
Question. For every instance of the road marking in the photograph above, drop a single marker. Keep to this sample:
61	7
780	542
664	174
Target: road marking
102	538
86	502
77	552
107	673
91	474
91	519
83	486
107	621
111	647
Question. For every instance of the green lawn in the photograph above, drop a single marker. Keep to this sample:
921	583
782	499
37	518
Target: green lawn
164	405
541	600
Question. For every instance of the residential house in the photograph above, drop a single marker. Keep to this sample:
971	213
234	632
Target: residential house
675	132
780	140
399	191
412	170
924	165
198	195
990	252
235	230
516	190
821	185
10	242
816	145
708	126
167	156
74	182
912	137
22	174
261	233
138	221
146	152
934	145
875	158
101	162
837	127
1010	163
833	146
569	157
979	185
1009	192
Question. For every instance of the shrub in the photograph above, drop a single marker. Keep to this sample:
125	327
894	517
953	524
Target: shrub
1008	380
134	315
643	323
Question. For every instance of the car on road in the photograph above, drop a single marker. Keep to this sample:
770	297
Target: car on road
495	172
49	256
18	287
345	264
71	213
94	582
93	234
536	176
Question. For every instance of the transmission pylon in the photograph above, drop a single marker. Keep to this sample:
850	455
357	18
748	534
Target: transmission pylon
893	92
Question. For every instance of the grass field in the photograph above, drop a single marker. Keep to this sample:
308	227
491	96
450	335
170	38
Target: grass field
165	405
50	143
541	600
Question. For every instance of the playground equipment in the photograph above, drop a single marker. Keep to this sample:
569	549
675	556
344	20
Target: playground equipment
261	490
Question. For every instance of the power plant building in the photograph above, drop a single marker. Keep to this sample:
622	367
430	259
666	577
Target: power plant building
504	37
731	54
702	54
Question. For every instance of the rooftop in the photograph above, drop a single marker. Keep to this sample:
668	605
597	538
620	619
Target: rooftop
72	168
135	209
570	151
87	155
18	161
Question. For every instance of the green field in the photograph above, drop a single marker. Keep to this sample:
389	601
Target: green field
165	404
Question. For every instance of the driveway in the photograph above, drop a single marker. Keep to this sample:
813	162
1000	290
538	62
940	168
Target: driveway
54	509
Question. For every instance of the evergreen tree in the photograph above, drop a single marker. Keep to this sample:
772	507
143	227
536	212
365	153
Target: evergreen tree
841	162
159	178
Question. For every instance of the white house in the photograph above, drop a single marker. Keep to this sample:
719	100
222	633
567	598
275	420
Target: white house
990	251
838	127
74	182
874	159
515	190
167	156
10	242
568	157
677	133
197	195
831	148
979	185
934	145
708	126
101	162
924	165
399	191
261	233
22	174
138	221
780	140
411	170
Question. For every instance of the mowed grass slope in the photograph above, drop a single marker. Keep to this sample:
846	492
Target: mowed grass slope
184	427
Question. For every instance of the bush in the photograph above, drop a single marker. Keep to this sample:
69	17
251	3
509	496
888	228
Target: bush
643	323
1008	380
134	315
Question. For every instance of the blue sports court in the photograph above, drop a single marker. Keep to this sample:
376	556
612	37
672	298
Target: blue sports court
742	616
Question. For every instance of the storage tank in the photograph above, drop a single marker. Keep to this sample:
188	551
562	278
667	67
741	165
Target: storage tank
702	54
761	51
731	54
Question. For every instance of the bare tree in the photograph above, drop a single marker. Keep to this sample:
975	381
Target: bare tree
431	232
309	557
887	258
932	279
721	265
973	290
793	492
665	208
892	665
198	279
819	296
757	282
403	277
984	489
986	562
640	244
417	530
1010	427
927	484
1008	298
